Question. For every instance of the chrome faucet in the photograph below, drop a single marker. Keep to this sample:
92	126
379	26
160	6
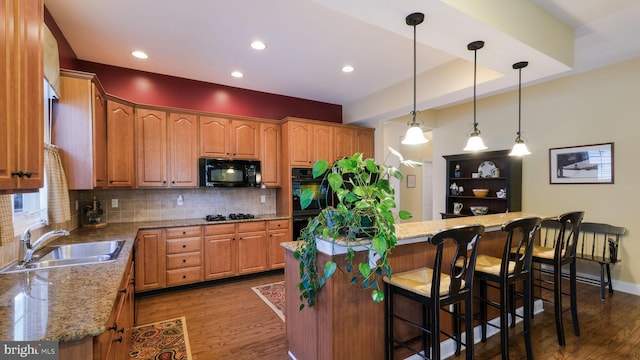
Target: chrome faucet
27	248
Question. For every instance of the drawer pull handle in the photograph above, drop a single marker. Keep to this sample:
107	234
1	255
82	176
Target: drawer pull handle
113	327
118	339
121	331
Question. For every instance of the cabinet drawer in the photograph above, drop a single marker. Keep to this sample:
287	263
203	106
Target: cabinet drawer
180	232
186	245
221	229
278	224
184	276
251	226
186	260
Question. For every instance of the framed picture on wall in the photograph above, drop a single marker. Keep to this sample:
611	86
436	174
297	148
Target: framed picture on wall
411	181
585	164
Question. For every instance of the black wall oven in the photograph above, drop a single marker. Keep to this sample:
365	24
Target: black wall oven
301	180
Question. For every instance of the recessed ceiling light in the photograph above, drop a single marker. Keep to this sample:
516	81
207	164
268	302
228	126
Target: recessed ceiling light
258	45
140	54
237	74
347	68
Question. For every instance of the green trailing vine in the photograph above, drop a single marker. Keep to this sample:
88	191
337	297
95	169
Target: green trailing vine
363	210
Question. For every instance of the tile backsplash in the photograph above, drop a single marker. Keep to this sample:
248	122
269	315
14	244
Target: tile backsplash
163	204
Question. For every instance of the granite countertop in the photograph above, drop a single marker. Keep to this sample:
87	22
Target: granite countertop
422	230
74	302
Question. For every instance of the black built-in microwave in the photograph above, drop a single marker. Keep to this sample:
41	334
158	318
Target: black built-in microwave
229	173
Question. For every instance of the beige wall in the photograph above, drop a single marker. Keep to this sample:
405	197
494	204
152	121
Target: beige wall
595	107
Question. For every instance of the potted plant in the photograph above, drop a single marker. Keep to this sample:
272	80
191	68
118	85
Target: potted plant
361	216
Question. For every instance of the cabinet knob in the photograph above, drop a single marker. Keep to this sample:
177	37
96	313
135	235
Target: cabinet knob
173	182
184	260
184	233
184	276
164	181
184	246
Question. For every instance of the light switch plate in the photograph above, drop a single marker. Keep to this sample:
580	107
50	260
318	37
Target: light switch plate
263	198
114	203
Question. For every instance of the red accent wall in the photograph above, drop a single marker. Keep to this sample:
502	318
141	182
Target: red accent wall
162	90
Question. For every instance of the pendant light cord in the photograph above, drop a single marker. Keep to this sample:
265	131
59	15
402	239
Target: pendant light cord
519	100
413	113
475	62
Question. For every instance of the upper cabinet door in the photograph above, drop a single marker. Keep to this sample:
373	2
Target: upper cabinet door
151	145
99	116
271	156
21	98
245	139
183	150
365	142
120	145
344	142
300	144
323	146
214	137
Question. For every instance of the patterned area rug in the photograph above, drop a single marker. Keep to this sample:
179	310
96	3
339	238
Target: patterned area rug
164	340
273	295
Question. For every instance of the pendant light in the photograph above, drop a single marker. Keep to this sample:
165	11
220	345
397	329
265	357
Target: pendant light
519	148
475	142
414	135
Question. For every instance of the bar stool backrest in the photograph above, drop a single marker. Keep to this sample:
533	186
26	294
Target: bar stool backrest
562	234
522	249
465	241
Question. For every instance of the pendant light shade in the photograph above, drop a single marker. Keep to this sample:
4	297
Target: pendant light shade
519	148
414	135
475	143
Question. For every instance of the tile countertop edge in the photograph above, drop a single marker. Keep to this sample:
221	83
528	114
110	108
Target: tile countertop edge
418	231
70	303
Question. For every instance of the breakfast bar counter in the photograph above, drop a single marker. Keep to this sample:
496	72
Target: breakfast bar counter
345	323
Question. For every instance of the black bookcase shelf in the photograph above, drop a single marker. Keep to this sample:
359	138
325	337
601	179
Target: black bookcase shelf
510	178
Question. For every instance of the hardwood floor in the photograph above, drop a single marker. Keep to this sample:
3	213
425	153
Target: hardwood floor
227	320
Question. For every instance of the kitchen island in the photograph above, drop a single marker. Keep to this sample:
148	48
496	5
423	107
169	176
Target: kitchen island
345	323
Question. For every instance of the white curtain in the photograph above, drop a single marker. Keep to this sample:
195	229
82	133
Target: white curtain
58	198
6	219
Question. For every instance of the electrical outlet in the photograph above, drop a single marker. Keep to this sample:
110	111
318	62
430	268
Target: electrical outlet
263	198
114	203
180	200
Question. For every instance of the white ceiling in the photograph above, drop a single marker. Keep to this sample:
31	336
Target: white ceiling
308	42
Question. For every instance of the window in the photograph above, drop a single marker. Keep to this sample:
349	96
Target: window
31	208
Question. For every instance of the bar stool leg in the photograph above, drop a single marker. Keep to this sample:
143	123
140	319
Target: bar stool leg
574	299
557	303
468	322
483	309
527	317
388	323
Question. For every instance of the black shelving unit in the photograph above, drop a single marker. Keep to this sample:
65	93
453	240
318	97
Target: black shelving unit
510	178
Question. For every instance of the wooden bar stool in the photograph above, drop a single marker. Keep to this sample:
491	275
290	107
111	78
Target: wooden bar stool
504	273
558	249
436	288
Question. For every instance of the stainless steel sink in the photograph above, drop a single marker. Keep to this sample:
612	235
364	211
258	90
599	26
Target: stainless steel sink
70	254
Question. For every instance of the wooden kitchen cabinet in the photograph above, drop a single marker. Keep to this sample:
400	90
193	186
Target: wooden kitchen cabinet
277	233
271	154
309	142
167	150
21	101
252	247
365	142
150	260
235	249
221	259
183	150
344	140
121	170
114	343
151	147
80	130
223	138
184	263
